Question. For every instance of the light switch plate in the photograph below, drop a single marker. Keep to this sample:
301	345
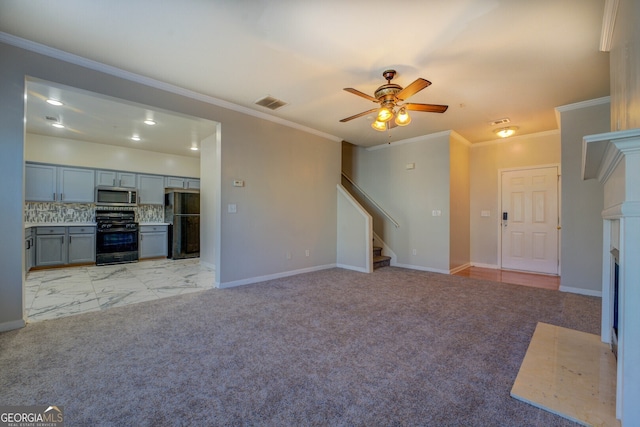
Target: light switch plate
485	213
232	208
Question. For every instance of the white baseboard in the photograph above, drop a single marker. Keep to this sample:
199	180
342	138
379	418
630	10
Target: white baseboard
272	276
353	268
460	268
481	265
421	268
10	326
581	291
208	265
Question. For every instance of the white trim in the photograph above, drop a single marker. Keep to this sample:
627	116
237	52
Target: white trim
580	291
460	268
208	265
148	81
516	138
420	138
10	326
608	24
420	268
258	279
352	268
584	104
481	265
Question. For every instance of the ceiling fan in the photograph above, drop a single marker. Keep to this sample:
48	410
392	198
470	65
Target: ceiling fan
390	96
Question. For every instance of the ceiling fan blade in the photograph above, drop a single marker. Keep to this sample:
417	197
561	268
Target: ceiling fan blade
412	89
362	94
364	113
429	108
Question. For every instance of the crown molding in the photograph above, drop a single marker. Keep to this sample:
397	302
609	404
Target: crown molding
148	81
608	24
583	104
516	138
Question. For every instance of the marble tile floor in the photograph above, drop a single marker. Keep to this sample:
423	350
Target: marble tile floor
60	292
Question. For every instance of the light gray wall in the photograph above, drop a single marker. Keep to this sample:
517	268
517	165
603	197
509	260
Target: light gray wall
355	233
288	203
485	161
210	199
581	246
625	67
459	252
410	196
12	194
291	177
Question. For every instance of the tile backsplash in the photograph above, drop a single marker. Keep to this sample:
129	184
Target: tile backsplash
47	212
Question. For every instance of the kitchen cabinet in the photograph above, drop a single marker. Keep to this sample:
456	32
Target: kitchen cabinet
65	245
153	241
150	190
29	249
116	179
184	183
47	183
82	244
51	246
40	183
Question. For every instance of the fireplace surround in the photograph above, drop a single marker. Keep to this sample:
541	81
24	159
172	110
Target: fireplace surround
614	159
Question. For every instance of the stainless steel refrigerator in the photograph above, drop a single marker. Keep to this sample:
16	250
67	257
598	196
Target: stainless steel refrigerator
182	212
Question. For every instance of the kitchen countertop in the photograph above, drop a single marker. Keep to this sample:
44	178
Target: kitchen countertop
77	224
59	224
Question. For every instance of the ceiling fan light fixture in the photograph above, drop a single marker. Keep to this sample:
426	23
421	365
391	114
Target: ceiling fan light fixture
385	114
379	126
506	132
403	118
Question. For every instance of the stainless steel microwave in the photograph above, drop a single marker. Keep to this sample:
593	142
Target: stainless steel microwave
116	196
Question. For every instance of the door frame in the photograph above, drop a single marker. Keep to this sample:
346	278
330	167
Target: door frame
500	210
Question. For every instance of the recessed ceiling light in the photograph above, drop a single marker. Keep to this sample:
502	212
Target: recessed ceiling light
150	122
57	125
54	102
194	146
135	138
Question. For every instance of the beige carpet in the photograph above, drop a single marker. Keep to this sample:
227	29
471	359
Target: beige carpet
396	347
569	373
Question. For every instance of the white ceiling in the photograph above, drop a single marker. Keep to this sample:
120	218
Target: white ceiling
487	59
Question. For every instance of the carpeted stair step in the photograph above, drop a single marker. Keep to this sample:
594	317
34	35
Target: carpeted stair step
380	260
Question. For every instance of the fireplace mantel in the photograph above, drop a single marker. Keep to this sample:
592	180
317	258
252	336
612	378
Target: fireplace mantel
614	159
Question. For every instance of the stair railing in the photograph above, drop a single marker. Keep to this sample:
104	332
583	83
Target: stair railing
370	200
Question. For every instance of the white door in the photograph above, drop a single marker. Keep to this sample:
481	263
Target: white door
530	220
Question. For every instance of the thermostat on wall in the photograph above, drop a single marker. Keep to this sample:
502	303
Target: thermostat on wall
238	183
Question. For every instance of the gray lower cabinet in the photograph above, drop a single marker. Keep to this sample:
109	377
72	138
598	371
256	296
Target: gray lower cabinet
65	245
153	241
82	244
29	249
51	246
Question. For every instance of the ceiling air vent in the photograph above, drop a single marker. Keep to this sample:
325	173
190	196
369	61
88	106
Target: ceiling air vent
500	121
270	102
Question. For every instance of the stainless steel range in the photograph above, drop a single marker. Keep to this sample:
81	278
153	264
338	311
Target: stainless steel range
116	237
